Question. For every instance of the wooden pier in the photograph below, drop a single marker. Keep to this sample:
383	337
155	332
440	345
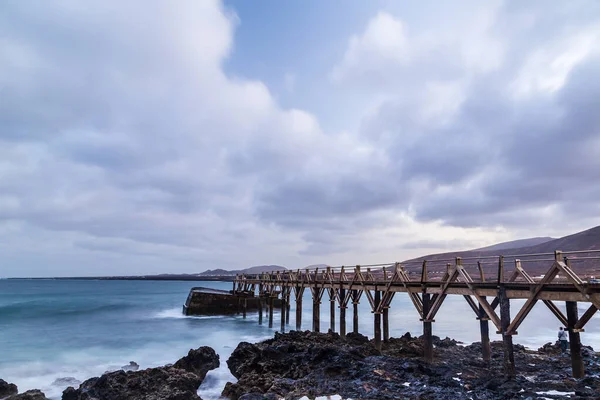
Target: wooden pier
486	283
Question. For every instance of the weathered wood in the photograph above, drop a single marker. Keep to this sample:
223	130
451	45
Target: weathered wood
355	315
283	312
260	310
299	313
332	315
427	330
343	314
316	315
271	300
377	320
244	307
574	340
287	311
386	324
507	343
486	352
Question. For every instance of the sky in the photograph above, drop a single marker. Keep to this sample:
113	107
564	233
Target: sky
146	137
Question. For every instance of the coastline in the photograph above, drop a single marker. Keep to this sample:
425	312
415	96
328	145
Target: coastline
299	365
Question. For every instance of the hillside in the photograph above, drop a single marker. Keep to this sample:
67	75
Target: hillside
516	244
252	270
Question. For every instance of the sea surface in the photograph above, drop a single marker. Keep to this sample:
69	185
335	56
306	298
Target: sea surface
51	329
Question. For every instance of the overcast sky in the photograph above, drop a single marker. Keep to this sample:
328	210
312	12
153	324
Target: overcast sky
142	137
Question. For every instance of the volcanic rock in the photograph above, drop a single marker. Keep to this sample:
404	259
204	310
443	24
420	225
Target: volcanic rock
311	364
28	395
7	389
177	382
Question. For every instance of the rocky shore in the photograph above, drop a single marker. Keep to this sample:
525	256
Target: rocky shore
179	381
310	364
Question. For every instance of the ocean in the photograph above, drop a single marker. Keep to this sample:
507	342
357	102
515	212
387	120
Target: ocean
53	329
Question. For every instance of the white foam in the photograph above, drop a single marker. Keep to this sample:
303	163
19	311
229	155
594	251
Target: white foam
176	313
556	393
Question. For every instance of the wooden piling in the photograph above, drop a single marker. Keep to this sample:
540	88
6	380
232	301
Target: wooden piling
260	309
343	314
427	330
244	307
507	342
484	328
386	325
355	315
299	313
287	311
283	310
377	320
316	315
271	299
332	314
574	340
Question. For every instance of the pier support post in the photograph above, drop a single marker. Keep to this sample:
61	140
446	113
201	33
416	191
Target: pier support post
427	330
343	313
484	328
287	311
244	307
386	324
332	314
377	320
283	310
299	313
355	316
270	311
507	342
260	309
316	315
574	340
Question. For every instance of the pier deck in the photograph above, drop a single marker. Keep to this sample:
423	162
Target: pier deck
486	283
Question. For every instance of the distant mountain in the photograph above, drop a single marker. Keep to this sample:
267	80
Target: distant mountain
252	270
516	244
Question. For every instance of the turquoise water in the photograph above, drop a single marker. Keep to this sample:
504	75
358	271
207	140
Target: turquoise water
52	329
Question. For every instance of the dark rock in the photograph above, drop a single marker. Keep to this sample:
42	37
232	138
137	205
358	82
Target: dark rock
199	361
7	389
310	364
177	382
28	395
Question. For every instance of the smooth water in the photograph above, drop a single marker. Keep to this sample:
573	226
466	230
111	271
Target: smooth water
52	329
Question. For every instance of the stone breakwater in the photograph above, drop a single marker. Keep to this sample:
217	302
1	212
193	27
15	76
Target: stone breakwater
309	365
299	364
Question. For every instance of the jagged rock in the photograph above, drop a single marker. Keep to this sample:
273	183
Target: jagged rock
177	382
28	395
7	389
310	364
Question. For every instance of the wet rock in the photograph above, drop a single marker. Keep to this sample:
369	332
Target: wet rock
177	382
28	395
310	364
7	389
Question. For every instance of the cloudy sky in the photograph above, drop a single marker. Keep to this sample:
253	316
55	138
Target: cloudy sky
157	136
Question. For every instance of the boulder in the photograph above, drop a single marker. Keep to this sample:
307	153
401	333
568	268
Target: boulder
28	395
177	382
7	389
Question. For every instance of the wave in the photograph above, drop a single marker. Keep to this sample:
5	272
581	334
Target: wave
176	313
39	309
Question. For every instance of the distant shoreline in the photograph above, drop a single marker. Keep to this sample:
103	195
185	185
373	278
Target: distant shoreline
134	278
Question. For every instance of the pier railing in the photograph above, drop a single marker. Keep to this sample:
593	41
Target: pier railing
542	277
